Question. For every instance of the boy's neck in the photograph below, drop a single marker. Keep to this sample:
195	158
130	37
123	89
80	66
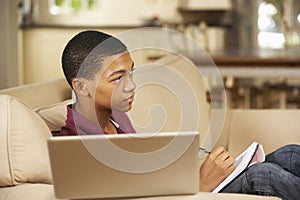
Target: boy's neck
101	118
104	119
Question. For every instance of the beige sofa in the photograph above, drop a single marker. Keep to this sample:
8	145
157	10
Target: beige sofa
31	112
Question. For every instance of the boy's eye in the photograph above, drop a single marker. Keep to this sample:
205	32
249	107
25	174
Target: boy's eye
117	78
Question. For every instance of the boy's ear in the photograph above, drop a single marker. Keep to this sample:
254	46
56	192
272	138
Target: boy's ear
80	87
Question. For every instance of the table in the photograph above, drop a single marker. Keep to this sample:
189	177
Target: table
254	67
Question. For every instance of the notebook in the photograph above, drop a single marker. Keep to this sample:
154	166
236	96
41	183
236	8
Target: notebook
253	154
124	165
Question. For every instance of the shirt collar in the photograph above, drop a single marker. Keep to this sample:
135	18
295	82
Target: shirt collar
115	123
83	126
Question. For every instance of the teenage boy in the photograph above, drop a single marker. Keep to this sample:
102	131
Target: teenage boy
99	69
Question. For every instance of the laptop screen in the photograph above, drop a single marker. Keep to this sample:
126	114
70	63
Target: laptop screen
126	165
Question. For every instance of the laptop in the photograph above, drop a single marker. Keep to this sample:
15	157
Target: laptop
125	165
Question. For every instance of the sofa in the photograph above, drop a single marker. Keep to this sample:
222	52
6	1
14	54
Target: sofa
33	113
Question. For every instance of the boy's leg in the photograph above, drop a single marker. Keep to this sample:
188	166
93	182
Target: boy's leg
288	157
267	179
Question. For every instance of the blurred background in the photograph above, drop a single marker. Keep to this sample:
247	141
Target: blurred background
255	44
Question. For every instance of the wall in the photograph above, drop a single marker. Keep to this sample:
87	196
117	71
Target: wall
43	50
10	73
43	45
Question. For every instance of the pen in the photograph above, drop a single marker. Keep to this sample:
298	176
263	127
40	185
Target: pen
204	150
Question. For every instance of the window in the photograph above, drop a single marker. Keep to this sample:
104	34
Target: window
59	7
278	23
269	19
103	12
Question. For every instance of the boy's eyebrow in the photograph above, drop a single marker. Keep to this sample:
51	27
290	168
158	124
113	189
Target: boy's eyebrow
122	71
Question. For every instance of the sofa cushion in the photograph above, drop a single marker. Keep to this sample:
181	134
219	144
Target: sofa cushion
54	115
271	128
23	147
41	94
28	192
46	192
163	110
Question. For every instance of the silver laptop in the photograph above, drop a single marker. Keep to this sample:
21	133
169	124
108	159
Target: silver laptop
125	165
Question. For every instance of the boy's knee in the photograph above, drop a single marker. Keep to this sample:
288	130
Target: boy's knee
260	174
289	148
292	147
284	152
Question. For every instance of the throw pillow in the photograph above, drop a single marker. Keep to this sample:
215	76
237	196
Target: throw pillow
54	115
23	144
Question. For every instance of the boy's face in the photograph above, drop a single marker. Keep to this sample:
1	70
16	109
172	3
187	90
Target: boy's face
115	87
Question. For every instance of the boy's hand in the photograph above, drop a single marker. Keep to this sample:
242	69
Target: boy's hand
217	166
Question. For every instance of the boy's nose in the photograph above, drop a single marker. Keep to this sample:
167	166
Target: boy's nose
129	84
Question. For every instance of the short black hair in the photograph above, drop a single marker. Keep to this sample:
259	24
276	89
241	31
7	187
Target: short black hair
84	53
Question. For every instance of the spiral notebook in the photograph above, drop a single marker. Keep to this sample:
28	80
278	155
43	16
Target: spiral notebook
253	154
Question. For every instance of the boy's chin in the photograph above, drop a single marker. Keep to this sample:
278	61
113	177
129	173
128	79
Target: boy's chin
124	109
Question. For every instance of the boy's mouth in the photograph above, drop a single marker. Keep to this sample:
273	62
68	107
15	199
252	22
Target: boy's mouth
130	99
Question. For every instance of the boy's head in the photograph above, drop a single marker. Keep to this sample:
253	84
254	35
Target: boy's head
99	68
84	53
